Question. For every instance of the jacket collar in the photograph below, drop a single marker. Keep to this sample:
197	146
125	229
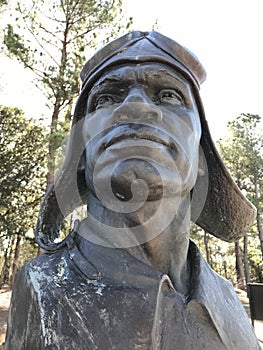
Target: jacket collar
131	268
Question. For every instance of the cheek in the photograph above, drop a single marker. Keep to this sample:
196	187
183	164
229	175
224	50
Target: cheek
96	122
195	129
196	125
183	124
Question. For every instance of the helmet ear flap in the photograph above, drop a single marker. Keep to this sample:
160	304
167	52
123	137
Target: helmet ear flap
225	213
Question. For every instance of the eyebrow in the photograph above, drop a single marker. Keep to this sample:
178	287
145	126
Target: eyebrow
110	79
164	73
141	75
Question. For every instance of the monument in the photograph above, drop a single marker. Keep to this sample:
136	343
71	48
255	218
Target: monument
141	157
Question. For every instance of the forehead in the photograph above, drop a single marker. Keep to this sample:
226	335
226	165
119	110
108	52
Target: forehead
143	73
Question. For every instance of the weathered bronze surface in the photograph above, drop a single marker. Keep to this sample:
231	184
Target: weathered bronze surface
128	276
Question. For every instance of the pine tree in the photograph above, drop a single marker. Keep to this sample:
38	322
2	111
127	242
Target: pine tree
23	146
53	38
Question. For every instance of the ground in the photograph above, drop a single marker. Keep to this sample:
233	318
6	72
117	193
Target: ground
5	295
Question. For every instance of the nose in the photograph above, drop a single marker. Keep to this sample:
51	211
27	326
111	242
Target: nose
137	107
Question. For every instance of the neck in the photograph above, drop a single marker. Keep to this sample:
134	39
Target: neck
159	228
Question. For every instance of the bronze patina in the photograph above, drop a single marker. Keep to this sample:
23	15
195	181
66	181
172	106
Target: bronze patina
128	275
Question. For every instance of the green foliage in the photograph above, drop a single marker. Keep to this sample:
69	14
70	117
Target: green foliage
3	3
17	47
255	260
23	148
57	142
53	37
243	154
61	134
219	254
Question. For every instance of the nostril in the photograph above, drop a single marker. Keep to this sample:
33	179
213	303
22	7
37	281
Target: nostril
137	111
122	116
152	115
147	116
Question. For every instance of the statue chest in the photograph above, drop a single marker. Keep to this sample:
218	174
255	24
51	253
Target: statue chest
95	315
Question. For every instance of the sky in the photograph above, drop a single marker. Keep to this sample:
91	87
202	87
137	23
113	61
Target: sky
225	35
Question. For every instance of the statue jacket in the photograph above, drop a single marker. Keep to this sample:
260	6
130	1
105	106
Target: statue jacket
114	300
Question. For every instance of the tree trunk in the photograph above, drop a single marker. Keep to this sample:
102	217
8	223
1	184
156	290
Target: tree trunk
225	269
260	231
5	273
51	150
246	265
15	260
239	267
206	241
5	268
259	224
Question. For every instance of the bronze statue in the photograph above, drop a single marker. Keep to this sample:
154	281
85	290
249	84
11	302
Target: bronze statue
128	276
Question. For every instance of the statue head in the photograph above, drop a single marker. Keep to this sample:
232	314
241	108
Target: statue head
144	86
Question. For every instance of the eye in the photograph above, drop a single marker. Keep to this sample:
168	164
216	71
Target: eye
170	97
104	101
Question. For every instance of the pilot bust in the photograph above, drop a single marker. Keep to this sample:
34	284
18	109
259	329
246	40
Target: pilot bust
128	276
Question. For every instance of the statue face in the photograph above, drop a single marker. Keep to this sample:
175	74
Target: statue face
142	127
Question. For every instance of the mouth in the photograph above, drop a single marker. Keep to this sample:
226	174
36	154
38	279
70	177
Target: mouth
138	132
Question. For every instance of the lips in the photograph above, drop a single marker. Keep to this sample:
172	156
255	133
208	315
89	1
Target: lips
138	131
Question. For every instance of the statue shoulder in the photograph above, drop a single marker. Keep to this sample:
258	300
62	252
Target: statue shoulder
42	268
31	284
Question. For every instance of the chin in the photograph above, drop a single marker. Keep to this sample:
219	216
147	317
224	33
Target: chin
136	179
